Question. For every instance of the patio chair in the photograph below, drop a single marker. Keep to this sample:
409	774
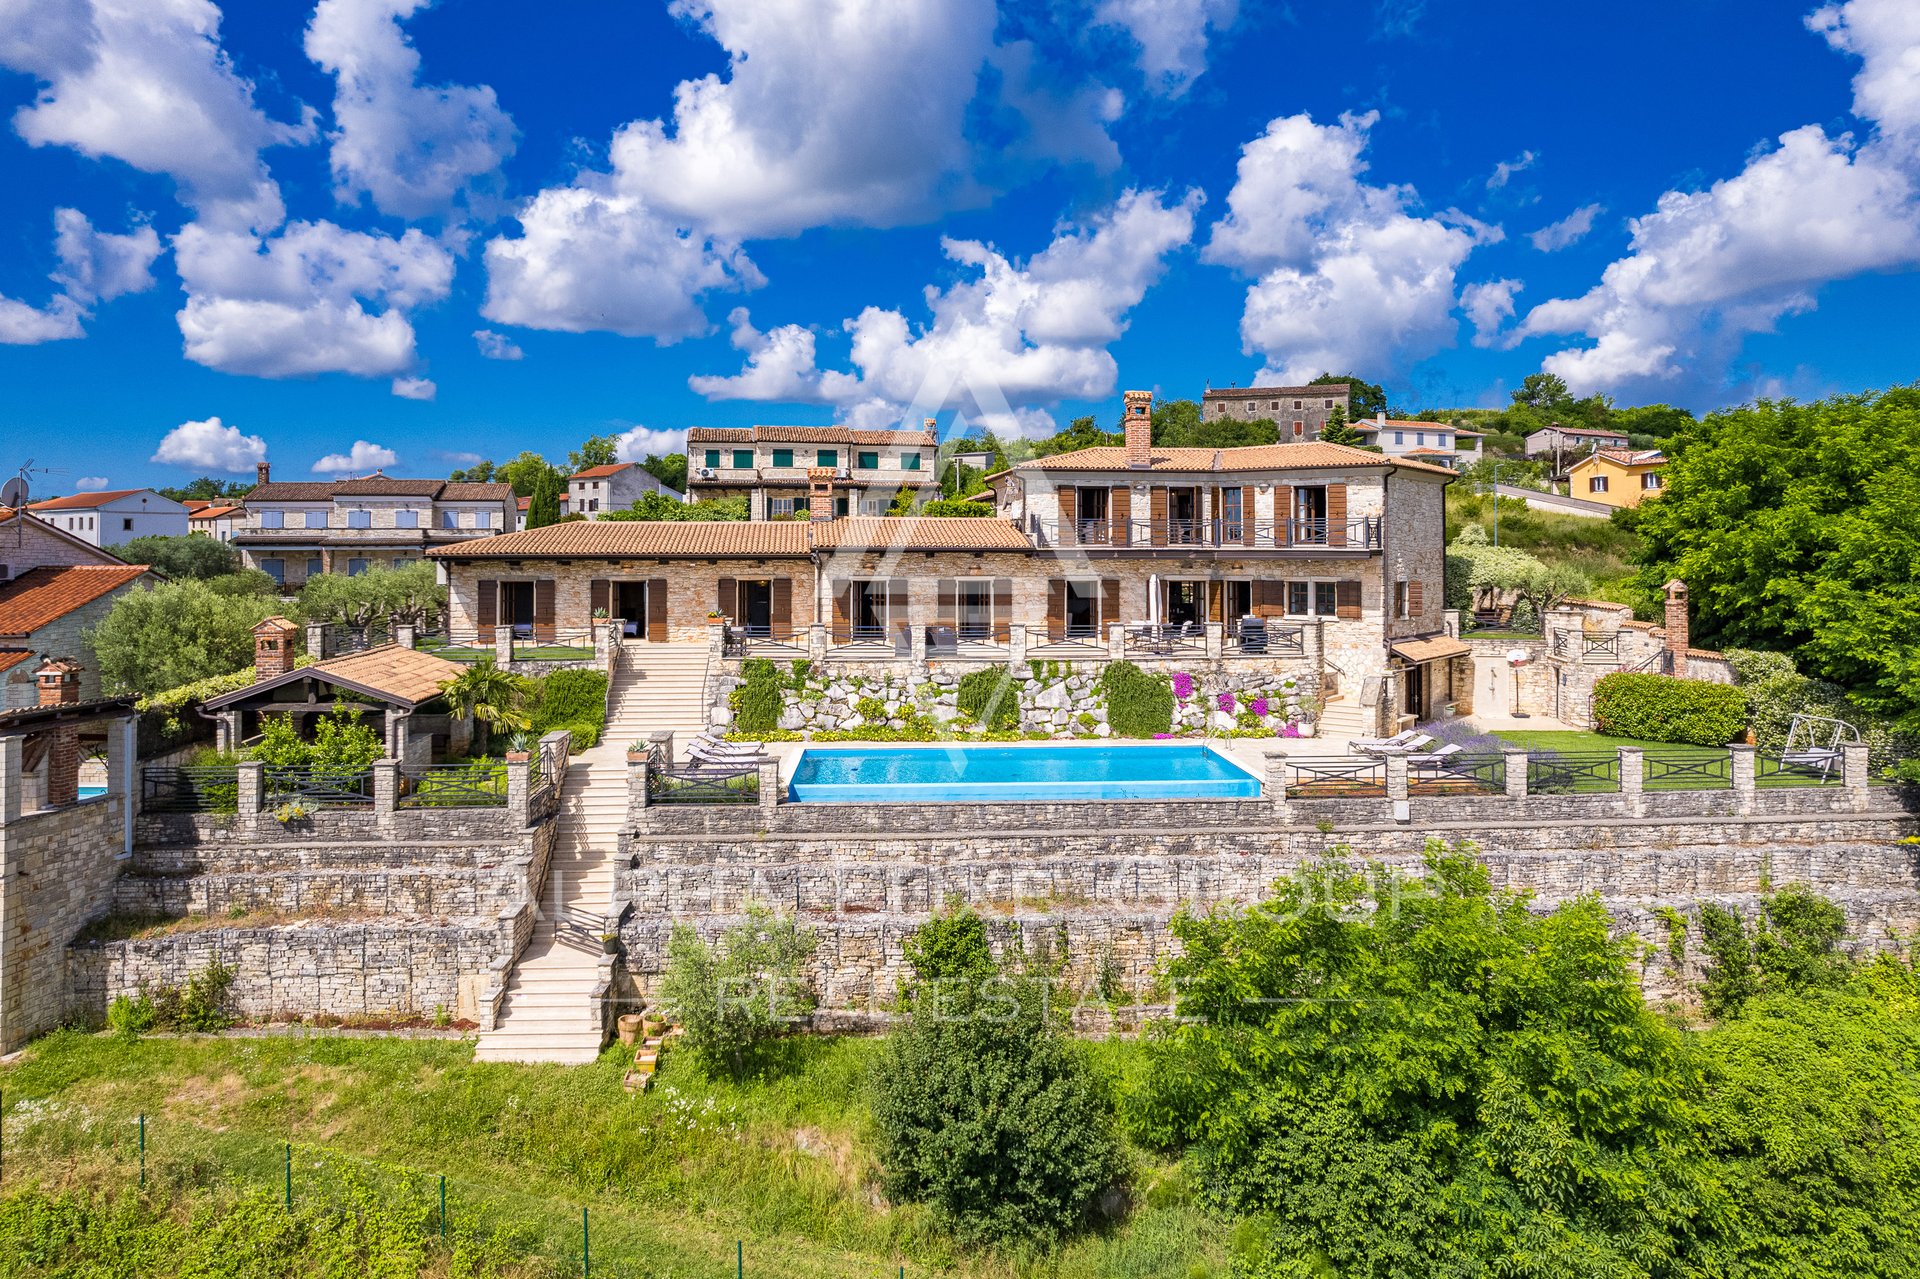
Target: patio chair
707	755
1406	739
942	639
713	742
1440	756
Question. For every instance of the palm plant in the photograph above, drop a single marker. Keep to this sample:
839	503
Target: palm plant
488	696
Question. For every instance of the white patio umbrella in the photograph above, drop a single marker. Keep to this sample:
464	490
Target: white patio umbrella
1153	598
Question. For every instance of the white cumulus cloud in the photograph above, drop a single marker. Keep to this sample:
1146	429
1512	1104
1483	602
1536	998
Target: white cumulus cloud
1503	172
588	260
637	443
1571	229
314	298
210	445
1172	35
496	346
362	457
831	111
1014	334
414	388
414	149
146	82
1346	274
90	483
95	266
1488	306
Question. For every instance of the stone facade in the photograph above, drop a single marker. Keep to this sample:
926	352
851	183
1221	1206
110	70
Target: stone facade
66	637
1309	406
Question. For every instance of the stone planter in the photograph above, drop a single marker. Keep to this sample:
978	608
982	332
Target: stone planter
519	757
636	757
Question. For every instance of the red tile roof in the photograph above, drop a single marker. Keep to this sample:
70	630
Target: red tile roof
920	533
42	595
207	511
640	539
1314	455
83	501
12	657
1322	389
377	485
600	472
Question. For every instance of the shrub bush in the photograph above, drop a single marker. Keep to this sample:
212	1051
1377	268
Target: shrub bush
757	702
585	736
733	997
1660	708
1138	704
567	698
990	698
131	1015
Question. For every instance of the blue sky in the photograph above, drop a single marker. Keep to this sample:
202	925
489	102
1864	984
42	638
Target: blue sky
313	233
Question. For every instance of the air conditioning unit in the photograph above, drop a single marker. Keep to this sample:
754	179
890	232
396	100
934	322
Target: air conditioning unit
843	474
705	472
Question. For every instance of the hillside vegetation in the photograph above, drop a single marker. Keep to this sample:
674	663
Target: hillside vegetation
1602	550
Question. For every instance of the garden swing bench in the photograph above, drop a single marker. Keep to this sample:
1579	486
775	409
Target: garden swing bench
1814	742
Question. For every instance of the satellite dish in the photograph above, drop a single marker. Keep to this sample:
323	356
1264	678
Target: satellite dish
14	492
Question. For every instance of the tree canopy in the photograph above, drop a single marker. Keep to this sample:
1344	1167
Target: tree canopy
190	555
595	450
543	504
1365	398
670	469
207	489
658	506
174	634
410	594
1796	528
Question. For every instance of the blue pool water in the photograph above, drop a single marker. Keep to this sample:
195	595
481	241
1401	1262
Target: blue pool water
90	792
1000	774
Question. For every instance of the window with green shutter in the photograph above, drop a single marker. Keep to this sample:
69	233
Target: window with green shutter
713	458
743	459
909	461
827	457
867	461
783	457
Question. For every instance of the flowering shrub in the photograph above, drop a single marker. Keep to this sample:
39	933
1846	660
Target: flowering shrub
1182	685
1260	707
1226	703
1291	730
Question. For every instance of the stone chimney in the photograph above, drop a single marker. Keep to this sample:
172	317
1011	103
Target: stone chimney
1139	427
929	423
273	648
1380	418
59	682
820	492
262	472
1677	639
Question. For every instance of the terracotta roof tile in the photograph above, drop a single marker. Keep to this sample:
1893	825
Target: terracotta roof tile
1322	389
719	435
84	501
12	657
377	486
597	472
1629	457
639	539
1315	455
402	673
465	492
42	595
291	491
210	512
920	533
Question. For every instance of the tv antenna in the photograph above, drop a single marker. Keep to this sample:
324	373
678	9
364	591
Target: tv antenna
14	493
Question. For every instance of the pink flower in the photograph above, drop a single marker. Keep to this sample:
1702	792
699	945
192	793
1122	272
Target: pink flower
1291	730
1161	737
1260	707
1182	685
1226	703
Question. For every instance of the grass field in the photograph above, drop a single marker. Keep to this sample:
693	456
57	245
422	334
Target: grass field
1598	548
1670	771
671	1179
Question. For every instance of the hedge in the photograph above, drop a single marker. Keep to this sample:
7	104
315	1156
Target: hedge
1660	708
991	698
1138	704
758	701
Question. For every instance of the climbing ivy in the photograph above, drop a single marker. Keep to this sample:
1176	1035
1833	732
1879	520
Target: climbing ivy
1139	704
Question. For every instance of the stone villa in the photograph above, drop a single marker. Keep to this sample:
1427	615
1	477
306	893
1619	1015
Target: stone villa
1299	411
772	467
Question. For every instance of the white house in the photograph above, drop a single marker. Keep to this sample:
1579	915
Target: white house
614	487
217	520
108	519
1435	443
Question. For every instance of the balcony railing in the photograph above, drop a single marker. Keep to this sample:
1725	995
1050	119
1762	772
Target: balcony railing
1362	534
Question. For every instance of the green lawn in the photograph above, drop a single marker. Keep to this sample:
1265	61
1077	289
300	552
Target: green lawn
671	1178
1688	763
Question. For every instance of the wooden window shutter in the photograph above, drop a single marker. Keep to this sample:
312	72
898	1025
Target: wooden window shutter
1246	515
1157	512
543	607
657	610
946	610
599	592
1069	505
1283	515
1109	600
1346	599
1057	607
1002	609
488	606
896	604
1218	512
1216	601
842	612
729	601
1337	516
1120	507
1416	598
782	612
1269	599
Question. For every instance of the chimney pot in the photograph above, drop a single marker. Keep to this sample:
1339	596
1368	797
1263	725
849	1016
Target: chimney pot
1139	430
1380	418
262	472
1678	641
273	648
59	682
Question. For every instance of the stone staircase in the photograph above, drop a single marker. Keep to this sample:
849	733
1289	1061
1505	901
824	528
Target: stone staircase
1344	717
550	1014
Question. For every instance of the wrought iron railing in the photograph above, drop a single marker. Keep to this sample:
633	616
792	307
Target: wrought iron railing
482	784
1336	778
1461	774
744	641
1361	534
1771	770
318	788
204	789
343	638
1265	641
1580	645
703	784
1573	772
1687	770
1167	640
455	646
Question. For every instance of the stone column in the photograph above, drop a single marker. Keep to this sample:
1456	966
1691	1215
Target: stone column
503	644
1516	774
404	634
1746	785
519	792
662	739
817	643
317	640
1116	641
769	783
226	730
1275	784
716	641
1853	770
12	758
1633	778
636	782
1017	641
1216	640
252	789
1397	778
917	647
386	793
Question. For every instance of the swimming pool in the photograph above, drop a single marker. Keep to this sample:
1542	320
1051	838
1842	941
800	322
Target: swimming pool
1002	774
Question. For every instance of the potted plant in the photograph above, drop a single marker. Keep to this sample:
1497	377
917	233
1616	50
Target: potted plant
599	621
610	943
637	752
519	748
716	618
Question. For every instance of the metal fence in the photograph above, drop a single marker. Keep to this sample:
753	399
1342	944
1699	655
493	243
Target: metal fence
207	789
1688	770
1354	777
319	789
1461	774
474	785
1573	772
668	783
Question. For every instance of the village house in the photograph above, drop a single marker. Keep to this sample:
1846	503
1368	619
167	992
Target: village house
1301	412
614	487
1617	477
110	518
54	587
217	520
770	467
1562	441
1143	545
1437	443
293	530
